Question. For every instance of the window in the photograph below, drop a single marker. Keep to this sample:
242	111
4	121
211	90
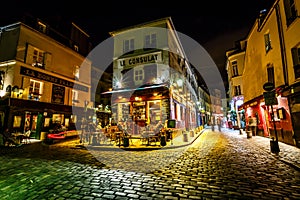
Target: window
234	68
42	27
75	96
76	72
128	45
17	121
270	72
150	41
76	48
237	90
290	11
267	42
38	58
35	89
2	75
296	61
138	74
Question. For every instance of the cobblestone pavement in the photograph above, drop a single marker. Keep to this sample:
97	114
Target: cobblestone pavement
218	165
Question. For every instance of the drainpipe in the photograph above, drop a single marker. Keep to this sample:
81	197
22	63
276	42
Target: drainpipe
282	45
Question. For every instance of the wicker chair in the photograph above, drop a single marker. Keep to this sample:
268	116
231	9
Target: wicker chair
26	137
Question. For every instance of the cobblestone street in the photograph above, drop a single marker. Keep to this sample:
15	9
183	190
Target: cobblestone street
218	165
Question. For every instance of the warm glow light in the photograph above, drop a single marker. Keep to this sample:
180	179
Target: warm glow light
7	63
2	93
179	82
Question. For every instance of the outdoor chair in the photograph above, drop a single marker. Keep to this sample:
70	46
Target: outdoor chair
26	137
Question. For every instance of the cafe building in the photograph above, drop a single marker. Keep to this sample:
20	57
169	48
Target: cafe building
41	78
153	81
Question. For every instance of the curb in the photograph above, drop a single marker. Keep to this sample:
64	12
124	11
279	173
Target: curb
162	148
105	147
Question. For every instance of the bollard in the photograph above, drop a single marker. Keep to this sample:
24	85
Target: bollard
191	133
163	140
249	134
185	137
274	146
126	142
241	132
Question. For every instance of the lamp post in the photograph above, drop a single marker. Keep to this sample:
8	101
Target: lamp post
270	99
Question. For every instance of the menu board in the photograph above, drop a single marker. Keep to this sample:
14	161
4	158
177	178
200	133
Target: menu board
58	94
165	108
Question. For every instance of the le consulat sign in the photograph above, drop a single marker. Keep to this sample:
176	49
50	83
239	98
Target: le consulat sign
140	59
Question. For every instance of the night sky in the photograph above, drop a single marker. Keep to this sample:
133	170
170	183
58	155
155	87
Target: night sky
214	25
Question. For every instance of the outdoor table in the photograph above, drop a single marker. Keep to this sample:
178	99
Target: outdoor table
18	137
149	135
118	137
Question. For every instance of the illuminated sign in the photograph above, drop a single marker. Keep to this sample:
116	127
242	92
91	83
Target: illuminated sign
141	59
46	77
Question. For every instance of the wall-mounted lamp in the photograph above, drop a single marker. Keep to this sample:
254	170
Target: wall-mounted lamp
21	90
18	91
15	89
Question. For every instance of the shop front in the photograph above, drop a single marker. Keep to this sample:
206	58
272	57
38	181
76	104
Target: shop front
273	121
141	108
19	115
292	93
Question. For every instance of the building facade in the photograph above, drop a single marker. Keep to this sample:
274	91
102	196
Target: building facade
235	68
41	77
271	73
152	79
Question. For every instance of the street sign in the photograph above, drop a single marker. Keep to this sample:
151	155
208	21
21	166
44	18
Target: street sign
270	98
268	86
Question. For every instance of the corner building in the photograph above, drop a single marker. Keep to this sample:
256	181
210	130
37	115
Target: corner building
152	79
42	80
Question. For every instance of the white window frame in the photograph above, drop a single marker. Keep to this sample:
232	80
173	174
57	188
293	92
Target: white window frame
74	96
267	39
237	90
128	45
139	74
76	72
235	71
38	57
33	88
150	40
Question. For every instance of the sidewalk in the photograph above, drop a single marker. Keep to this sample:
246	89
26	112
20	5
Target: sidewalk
140	145
288	154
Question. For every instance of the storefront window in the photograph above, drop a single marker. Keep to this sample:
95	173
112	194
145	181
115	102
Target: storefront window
58	118
47	122
73	119
154	111
17	121
34	122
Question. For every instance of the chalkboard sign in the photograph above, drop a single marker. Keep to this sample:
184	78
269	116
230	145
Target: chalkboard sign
165	108
58	94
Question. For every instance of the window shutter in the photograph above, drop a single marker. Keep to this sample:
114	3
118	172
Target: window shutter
47	59
29	54
295	56
287	9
